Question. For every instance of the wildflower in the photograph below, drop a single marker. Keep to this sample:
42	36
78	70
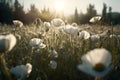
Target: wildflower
94	38
7	42
69	29
96	62
95	19
57	22
17	23
84	35
53	64
37	43
22	71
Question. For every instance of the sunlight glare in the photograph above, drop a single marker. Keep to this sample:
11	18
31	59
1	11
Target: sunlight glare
59	5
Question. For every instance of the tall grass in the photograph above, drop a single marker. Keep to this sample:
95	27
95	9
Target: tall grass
70	49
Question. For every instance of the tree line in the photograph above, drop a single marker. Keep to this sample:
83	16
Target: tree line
11	10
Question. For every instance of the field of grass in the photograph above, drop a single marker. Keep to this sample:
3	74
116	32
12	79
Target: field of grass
70	49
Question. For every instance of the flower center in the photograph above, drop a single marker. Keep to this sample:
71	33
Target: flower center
99	67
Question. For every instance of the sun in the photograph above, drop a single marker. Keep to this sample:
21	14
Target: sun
59	5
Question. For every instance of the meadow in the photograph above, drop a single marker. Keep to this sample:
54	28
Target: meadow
69	48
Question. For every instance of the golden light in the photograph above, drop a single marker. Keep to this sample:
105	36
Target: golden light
59	5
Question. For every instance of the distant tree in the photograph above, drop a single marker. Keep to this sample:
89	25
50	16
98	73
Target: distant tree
91	12
46	14
109	17
83	18
115	18
6	14
32	14
104	13
19	11
76	16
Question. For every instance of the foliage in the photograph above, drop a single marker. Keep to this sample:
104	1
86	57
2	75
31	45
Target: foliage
32	14
19	13
6	14
76	16
12	9
46	14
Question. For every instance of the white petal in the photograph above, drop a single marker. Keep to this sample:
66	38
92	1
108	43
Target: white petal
92	72
99	55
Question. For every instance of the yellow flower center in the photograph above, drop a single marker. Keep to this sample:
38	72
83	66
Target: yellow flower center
99	67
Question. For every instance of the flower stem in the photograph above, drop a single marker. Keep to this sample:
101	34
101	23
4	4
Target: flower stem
4	67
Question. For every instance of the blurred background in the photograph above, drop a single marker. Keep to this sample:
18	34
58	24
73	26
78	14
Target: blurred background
78	11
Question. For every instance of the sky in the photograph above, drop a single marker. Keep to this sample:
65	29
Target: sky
70	5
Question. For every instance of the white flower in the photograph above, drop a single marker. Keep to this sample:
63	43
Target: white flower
95	19
37	43
53	64
42	45
74	24
17	23
7	42
84	35
57	22
94	38
69	29
22	71
53	53
96	62
113	36
47	26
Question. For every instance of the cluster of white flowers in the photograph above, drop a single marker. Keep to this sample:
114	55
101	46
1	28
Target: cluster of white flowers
69	29
37	43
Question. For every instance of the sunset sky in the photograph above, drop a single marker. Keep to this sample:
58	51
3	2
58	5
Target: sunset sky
68	6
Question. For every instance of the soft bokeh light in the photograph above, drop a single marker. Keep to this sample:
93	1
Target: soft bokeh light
69	5
59	5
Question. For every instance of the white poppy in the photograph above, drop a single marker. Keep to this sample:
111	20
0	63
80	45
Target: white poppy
17	23
69	29
113	36
37	43
21	71
42	45
47	26
95	19
7	42
53	64
57	22
94	38
96	62
84	35
74	24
